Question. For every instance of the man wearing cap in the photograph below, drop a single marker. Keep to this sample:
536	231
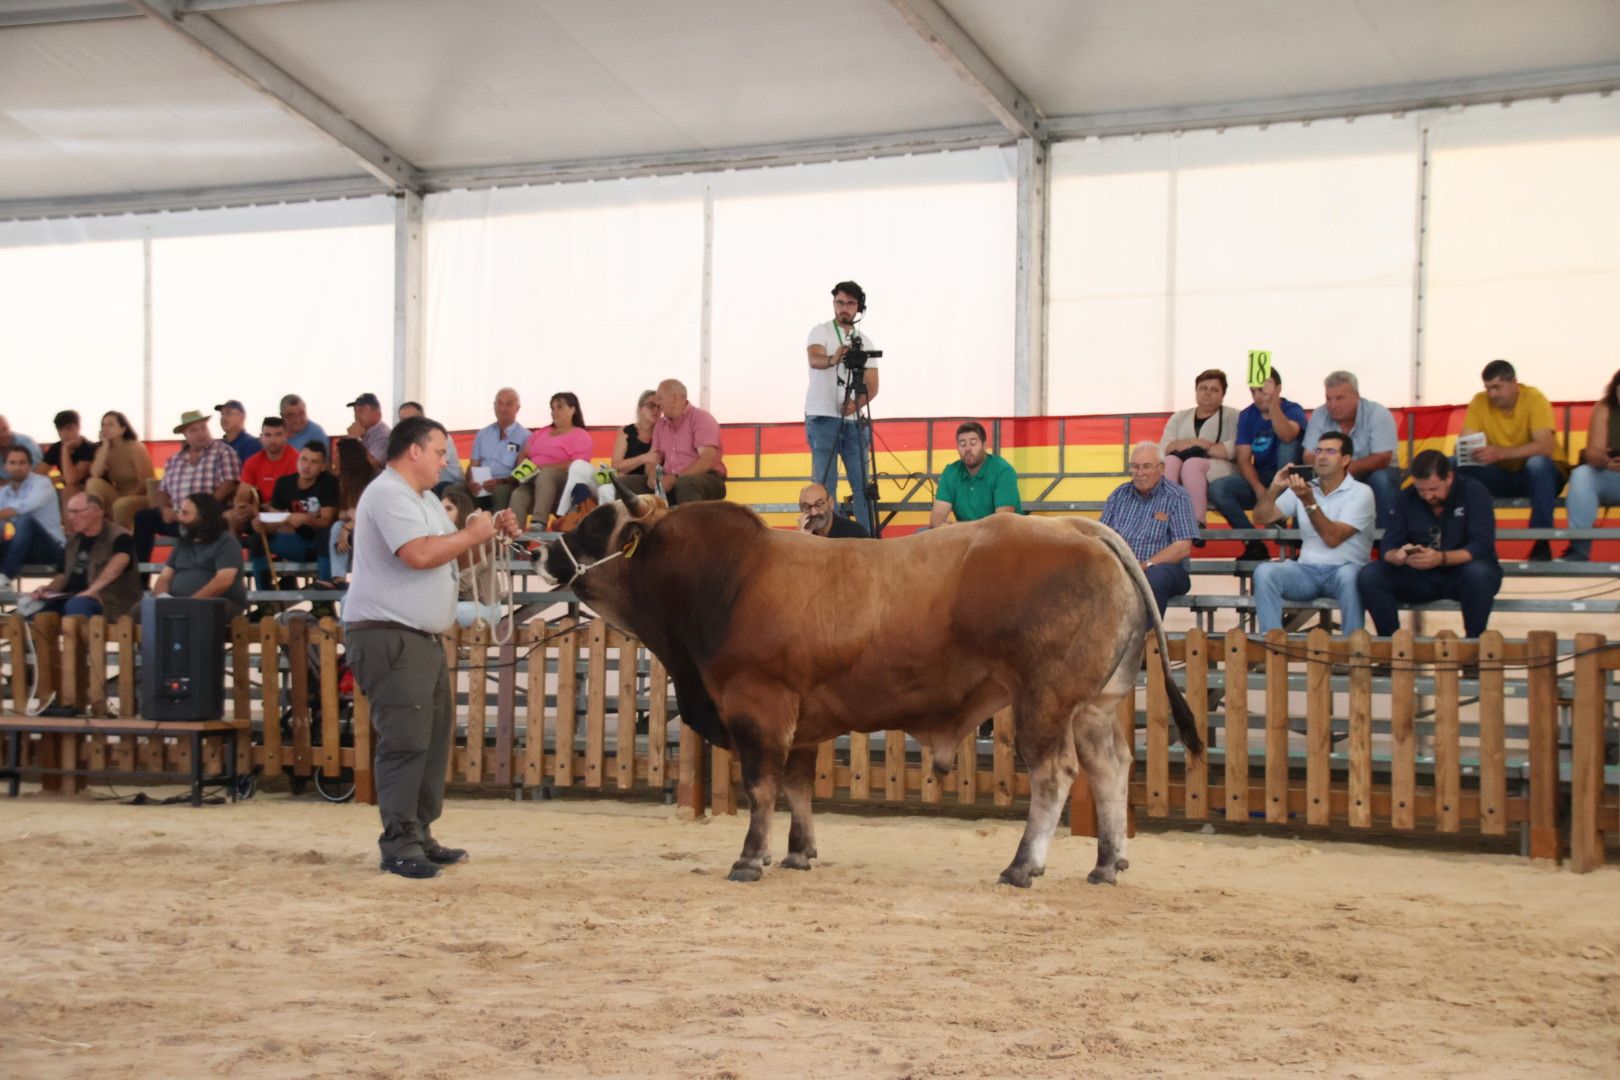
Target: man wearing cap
233	426
402	597
301	430
370	428
202	464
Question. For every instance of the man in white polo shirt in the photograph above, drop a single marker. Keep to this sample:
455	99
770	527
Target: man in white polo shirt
1336	514
402	596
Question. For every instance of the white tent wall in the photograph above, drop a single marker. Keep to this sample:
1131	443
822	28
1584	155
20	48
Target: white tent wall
930	240
245	303
1524	247
591	288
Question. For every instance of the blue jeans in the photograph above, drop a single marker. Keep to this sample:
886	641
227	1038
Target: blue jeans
830	438
1386	487
1275	582
1168	580
294	548
1232	495
73	605
1539	480
1589	488
31	546
1473	585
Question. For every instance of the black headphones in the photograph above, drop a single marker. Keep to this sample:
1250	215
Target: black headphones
849	288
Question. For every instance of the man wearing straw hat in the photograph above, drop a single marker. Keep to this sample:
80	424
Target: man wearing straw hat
202	464
402	597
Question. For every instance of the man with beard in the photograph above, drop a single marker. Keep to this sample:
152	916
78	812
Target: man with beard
1439	544
818	518
977	485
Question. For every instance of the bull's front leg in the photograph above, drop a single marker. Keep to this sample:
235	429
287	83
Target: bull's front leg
761	718
799	783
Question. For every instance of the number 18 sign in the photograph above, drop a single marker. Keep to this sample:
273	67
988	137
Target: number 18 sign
1259	366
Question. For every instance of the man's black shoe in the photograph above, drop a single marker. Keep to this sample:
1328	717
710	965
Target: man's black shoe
1541	551
447	856
1255	551
411	866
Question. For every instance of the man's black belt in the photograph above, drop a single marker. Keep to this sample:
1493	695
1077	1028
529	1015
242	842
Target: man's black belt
389	624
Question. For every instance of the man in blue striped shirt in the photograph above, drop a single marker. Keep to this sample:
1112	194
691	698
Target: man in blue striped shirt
1155	519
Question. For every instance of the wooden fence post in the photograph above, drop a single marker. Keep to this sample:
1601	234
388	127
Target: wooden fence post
1158	733
506	765
1447	734
270	694
894	766
860	765
1195	769
1276	727
624	731
1360	784
298	687
1318	728
534	704
595	702
1492	736
1586	772
657	722
476	638
1236	773
331	729
568	699
1542	660
1402	730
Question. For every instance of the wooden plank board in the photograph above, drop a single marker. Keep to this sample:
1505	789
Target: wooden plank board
928	777
1158	733
1492	736
1447	743
596	646
1360	781
270	681
534	704
1001	726
476	639
1318	727
96	667
567	699
1542	717
331	726
860	765
1195	768
624	731
1276	727
506	709
72	639
1586	775
1236	731
657	722
722	790
691	790
1402	730
825	763
894	766
298	683
124	632
967	769
17	648
241	670
365	777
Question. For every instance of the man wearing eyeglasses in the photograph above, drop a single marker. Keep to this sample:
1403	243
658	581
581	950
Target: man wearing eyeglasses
1336	513
1155	519
1439	544
818	518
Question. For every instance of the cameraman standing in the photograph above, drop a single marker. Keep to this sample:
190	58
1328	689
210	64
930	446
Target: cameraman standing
831	424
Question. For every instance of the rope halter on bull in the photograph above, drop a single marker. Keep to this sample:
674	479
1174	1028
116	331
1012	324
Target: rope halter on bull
579	568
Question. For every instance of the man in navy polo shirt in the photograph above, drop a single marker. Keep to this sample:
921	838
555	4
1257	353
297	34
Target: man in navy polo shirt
1155	518
1267	439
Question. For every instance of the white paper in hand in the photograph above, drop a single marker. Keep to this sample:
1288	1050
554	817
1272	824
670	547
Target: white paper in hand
1467	444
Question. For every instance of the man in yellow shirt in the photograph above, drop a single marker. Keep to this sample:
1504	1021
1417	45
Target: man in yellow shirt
1517	460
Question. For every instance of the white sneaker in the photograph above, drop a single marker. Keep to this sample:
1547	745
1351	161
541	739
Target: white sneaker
5	583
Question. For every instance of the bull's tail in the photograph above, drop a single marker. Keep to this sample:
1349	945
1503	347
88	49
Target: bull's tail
1179	709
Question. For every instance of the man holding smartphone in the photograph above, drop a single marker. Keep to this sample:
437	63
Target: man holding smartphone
1335	513
1440	544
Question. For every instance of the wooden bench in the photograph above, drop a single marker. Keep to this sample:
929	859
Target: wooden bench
15	726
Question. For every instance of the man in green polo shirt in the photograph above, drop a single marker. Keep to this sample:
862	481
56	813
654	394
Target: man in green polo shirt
979	485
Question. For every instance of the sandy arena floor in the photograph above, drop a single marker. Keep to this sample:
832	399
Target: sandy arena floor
599	939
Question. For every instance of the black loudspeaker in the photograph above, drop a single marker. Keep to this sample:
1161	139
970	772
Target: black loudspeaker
182	659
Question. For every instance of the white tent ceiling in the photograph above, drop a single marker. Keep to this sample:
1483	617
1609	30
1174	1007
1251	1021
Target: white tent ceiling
104	107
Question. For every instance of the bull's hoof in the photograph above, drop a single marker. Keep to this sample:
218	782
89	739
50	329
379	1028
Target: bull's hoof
1122	863
766	859
1019	876
745	872
1103	875
796	860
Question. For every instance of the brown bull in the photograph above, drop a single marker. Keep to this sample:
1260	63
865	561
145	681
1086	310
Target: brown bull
777	641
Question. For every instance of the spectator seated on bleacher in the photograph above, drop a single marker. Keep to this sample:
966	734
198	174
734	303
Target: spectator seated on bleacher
99	574
450	474
9	438
206	560
498	447
687	442
370	427
354	474
1154	517
309	498
1268	437
633	458
1517	460
549	453
1597	481
1371	428
71	455
818	516
233	430
301	430
1336	513
30	518
476	580
1199	443
203	464
122	467
1440	544
977	484
273	460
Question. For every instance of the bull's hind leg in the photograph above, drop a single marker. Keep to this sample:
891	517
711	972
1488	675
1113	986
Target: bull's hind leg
1047	749
761	721
1106	756
799	784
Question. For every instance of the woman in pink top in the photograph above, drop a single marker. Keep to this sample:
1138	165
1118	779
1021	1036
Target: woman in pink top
552	449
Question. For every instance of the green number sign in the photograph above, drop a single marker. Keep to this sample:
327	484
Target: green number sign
1259	366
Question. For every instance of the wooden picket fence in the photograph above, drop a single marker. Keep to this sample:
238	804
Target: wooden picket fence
569	705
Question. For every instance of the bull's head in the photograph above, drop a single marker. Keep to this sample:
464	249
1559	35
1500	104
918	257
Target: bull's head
608	533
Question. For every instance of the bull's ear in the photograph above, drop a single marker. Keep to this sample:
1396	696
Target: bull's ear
630	538
626	496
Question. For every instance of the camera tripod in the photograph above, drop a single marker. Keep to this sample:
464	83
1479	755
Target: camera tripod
855	392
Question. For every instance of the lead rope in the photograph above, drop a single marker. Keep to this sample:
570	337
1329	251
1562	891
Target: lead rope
490	551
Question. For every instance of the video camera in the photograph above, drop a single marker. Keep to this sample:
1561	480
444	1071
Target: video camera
857	356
